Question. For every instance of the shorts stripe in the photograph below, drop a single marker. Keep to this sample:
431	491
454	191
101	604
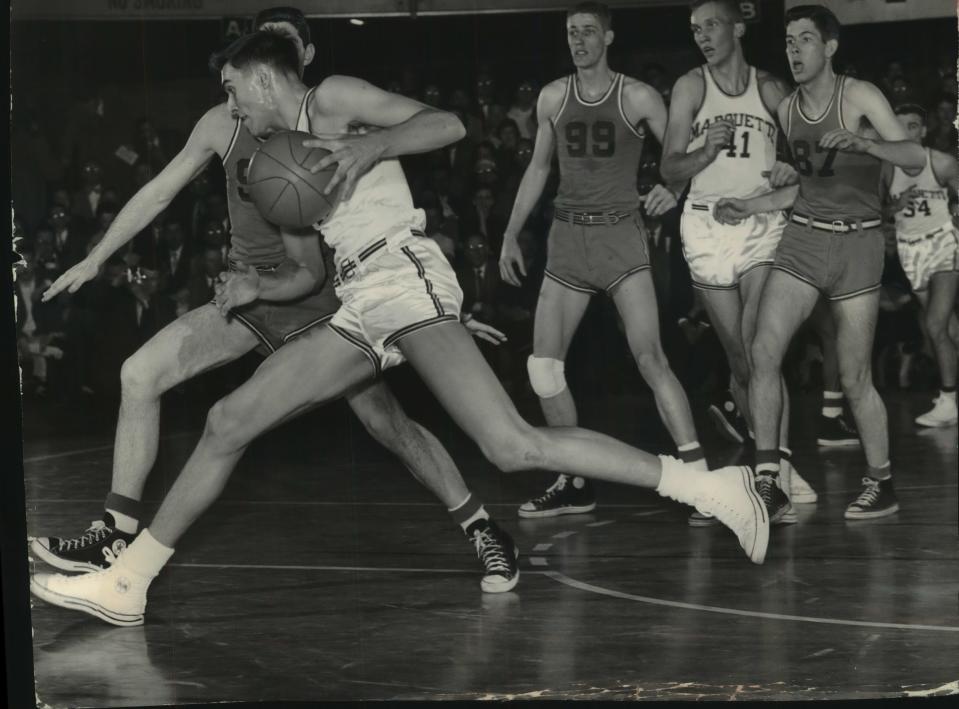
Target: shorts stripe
847	296
625	276
797	275
252	328
410	329
767	262
703	286
421	272
360	345
581	289
299	331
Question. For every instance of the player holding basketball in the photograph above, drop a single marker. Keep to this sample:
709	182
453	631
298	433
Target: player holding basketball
831	246
203	339
722	135
597	242
927	242
400	302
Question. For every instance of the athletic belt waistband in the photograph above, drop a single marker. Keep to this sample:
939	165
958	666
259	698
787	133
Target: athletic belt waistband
837	226
346	268
589	218
927	235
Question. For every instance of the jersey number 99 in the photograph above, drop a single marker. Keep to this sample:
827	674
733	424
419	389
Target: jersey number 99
600	137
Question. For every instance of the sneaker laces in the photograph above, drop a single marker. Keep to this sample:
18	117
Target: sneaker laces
552	491
764	486
869	495
97	532
490	551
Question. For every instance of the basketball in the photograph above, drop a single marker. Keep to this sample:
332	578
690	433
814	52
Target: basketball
281	184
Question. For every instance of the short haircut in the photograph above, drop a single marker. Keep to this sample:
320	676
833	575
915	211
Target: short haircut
822	17
597	9
906	108
284	14
268	48
731	8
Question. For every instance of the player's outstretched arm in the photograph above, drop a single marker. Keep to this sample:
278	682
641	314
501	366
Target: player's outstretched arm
678	166
892	145
148	202
511	263
300	273
409	127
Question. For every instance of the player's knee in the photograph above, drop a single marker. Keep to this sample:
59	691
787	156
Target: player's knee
222	428
138	378
936	325
856	380
651	363
387	426
547	376
765	354
516	450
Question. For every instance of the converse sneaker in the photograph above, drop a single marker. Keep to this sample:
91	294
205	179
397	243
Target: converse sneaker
729	495
117	595
729	421
698	519
835	431
877	499
800	491
777	504
90	551
495	548
943	413
560	498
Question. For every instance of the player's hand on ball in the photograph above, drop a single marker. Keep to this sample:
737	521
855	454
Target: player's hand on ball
354	156
718	137
72	279
511	264
483	331
730	211
842	139
782	174
236	288
659	200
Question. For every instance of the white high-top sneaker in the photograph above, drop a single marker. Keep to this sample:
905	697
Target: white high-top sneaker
728	494
117	595
944	413
800	491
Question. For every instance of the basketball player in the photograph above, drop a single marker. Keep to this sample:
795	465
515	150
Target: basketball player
927	242
597	242
203	339
722	135
832	246
400	301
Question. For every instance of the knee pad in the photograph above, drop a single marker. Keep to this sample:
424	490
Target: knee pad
546	375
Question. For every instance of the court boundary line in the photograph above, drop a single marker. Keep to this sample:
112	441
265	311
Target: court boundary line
96	449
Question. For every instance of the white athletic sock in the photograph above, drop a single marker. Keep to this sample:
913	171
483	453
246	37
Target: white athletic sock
145	555
831	404
678	480
125	523
951	395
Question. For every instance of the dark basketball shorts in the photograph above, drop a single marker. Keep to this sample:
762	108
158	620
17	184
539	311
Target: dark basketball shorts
598	257
276	323
839	265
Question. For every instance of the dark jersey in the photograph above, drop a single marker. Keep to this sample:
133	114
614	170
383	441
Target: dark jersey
832	184
253	240
598	151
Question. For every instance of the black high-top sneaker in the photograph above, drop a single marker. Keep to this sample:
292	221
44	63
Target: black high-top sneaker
877	499
777	504
728	419
93	550
561	498
495	548
835	431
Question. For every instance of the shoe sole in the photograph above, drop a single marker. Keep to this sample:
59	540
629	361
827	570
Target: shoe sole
557	511
939	424
697	521
723	425
873	515
761	542
838	442
492	587
124	620
58	562
786	515
803	498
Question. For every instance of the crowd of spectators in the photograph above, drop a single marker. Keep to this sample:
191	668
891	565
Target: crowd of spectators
68	187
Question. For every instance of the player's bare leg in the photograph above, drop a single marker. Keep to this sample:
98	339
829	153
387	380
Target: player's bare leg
194	343
855	331
725	311
834	429
785	303
455	371
938	303
559	311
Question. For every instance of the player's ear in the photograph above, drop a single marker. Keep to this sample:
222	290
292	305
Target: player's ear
308	53
832	46
922	133
739	29
608	37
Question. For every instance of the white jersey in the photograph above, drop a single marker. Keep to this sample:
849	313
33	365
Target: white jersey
381	204
737	170
929	207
